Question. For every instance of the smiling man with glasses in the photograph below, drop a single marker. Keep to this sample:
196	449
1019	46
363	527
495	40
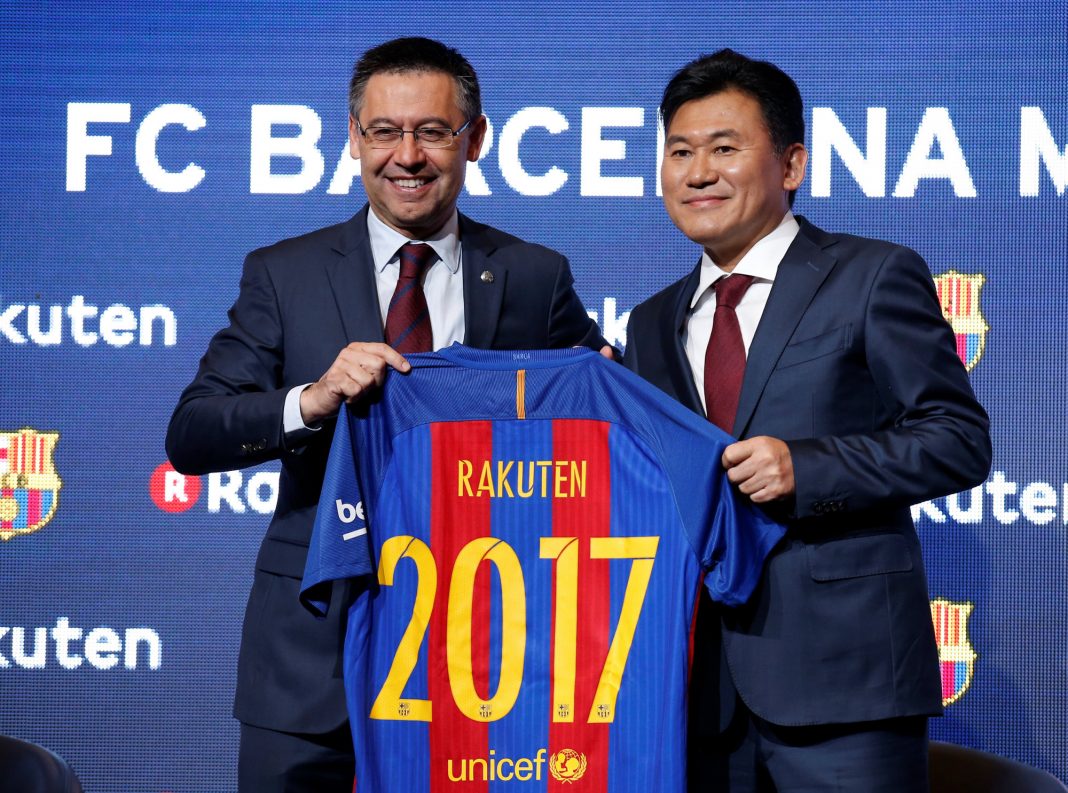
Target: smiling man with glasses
318	320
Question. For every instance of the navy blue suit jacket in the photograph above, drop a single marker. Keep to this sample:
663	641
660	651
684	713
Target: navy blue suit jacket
855	368
301	301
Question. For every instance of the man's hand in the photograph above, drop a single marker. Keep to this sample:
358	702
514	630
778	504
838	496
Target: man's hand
357	368
761	467
608	352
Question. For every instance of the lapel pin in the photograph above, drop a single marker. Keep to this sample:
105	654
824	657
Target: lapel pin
487	277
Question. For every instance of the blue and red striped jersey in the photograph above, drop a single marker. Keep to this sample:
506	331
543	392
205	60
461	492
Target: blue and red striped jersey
530	530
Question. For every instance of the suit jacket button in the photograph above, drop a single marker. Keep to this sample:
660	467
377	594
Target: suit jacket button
246	448
818	507
261	444
487	277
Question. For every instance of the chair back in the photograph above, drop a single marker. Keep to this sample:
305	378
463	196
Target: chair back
958	769
28	768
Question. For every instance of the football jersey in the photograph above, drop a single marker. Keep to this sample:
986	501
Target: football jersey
529	531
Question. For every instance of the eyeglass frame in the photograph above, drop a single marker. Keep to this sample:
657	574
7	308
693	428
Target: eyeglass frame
414	133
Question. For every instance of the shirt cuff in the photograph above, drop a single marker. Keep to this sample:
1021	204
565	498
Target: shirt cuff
292	421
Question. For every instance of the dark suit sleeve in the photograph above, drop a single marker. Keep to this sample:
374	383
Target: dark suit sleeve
938	441
230	416
569	324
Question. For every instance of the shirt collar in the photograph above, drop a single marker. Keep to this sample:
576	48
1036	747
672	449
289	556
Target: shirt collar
761	261
386	242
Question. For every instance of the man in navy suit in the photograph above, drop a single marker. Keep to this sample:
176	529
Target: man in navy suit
828	356
307	333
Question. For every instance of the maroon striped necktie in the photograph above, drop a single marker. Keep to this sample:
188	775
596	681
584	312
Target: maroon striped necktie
408	319
725	354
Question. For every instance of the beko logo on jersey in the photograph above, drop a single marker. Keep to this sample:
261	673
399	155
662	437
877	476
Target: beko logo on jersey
86	324
70	647
349	513
227	491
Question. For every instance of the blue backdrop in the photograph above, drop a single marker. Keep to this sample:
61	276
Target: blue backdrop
148	146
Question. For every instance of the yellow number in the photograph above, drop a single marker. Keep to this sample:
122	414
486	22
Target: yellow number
513	629
388	704
643	552
565	551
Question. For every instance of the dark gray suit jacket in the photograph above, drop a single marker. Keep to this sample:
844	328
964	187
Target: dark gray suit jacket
854	366
301	301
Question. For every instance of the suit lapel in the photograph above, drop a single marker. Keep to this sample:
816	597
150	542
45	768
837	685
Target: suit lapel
352	279
799	277
674	354
484	282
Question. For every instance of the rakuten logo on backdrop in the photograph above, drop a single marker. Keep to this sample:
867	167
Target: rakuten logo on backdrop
613	322
235	492
86	324
66	646
1002	500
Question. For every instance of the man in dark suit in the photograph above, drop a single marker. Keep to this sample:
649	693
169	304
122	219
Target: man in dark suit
309	330
828	355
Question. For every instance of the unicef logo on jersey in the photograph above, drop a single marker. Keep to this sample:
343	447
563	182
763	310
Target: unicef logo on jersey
348	514
567	766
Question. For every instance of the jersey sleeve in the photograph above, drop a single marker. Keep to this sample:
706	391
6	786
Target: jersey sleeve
339	547
736	543
731	536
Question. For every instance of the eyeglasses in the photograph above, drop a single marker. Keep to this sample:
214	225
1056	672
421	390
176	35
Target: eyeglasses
427	137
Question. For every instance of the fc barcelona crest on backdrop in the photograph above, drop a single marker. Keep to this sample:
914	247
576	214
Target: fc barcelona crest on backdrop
956	656
29	486
959	295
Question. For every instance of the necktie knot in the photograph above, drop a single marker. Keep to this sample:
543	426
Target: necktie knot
731	289
415	258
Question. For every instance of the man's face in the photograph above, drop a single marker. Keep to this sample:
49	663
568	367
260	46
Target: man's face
411	188
723	185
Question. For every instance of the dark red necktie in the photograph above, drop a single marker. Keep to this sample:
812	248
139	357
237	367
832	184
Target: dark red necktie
408	319
725	354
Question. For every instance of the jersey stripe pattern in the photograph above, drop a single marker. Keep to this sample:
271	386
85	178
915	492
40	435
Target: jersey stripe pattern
524	534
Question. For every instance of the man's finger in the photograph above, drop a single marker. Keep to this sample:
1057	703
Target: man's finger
377	351
736	453
738	474
390	356
762	496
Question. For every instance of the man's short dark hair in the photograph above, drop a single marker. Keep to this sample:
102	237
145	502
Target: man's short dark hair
777	94
417	55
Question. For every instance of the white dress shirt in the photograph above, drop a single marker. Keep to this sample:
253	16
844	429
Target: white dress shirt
443	286
762	262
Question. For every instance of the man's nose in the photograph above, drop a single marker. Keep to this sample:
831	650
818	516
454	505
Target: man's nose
703	170
408	152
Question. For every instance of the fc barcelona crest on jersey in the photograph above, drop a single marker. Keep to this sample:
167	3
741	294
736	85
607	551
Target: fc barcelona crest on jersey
956	656
959	295
29	486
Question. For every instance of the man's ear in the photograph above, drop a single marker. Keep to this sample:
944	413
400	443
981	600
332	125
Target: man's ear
794	161
474	141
